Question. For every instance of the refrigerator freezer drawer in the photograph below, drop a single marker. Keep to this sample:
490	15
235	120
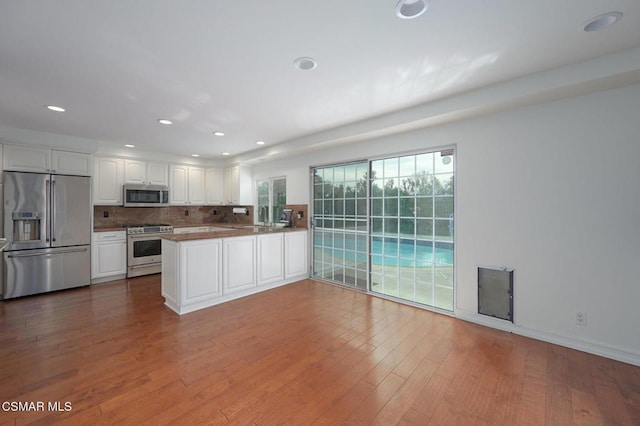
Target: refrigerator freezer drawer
40	271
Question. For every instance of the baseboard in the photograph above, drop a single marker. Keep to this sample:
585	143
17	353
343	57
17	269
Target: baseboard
595	348
217	300
108	279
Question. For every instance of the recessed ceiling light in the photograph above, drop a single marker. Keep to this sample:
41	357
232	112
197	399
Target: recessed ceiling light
218	133
55	108
603	21
225	153
164	121
195	155
260	143
130	146
305	63
409	9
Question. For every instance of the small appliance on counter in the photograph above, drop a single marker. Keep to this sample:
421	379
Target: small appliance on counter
286	217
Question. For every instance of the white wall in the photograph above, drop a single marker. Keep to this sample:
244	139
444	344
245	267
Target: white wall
550	191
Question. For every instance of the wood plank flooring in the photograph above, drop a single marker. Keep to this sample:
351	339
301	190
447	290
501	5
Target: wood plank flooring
306	353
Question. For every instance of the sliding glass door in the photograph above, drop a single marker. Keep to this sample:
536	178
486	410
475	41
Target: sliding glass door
340	224
411	235
387	226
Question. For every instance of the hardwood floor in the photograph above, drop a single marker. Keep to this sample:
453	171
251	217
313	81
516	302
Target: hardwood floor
306	353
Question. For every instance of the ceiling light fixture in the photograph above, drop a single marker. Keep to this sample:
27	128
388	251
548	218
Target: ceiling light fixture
56	108
225	153
409	9
260	143
218	133
164	121
603	21
305	63
130	146
195	155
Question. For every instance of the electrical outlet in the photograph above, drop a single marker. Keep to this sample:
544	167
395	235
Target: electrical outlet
186	212
581	318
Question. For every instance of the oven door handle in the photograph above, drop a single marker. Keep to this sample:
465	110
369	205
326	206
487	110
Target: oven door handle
145	237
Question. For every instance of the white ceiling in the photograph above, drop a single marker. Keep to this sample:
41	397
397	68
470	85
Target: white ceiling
207	65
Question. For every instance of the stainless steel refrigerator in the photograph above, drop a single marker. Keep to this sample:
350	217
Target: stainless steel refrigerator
47	224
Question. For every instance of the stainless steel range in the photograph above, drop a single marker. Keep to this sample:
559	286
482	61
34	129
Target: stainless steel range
144	248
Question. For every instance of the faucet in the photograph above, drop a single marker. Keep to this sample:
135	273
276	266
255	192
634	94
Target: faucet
264	212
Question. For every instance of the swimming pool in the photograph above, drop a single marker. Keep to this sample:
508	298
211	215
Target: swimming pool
403	252
391	251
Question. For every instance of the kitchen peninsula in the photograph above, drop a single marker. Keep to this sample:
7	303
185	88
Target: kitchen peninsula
204	269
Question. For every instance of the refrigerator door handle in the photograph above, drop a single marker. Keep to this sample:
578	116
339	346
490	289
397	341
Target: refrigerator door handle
53	209
47	208
47	254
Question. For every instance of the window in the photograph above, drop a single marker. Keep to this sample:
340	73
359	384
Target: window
271	197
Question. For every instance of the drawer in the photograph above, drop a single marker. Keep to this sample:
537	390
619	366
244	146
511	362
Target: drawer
110	236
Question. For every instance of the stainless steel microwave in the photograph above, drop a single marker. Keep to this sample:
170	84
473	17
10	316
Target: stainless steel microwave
136	195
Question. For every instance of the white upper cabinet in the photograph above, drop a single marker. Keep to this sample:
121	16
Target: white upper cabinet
41	160
70	163
186	185
213	187
196	185
148	173
238	187
108	178
178	184
157	173
26	159
135	171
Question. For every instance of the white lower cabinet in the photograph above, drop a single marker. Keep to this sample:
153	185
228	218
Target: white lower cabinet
238	263
295	254
108	256
270	259
203	268
205	272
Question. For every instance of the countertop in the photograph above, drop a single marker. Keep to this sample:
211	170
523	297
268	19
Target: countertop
195	225
236	231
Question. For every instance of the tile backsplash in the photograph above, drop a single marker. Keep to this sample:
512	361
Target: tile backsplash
174	215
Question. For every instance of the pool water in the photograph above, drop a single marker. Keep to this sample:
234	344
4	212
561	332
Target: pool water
397	252
394	252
